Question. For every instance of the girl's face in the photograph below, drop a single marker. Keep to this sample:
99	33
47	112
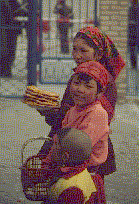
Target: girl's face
82	52
82	92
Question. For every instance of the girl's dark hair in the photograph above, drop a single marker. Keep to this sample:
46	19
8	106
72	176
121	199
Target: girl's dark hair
87	78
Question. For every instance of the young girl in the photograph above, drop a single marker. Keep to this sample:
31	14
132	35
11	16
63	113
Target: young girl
91	44
87	115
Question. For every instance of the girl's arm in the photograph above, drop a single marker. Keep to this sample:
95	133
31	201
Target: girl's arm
50	115
55	116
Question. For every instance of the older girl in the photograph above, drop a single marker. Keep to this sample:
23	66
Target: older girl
91	44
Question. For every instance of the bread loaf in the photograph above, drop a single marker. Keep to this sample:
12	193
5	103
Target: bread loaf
41	98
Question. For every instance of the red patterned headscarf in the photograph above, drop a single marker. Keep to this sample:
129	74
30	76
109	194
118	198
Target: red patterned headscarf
111	57
111	60
95	70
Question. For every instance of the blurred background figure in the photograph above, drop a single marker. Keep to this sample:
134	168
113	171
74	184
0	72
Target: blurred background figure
64	13
132	32
9	35
45	29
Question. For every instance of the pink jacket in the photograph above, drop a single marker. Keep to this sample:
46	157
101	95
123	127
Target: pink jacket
93	120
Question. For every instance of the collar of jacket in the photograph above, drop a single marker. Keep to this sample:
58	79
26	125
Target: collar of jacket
87	107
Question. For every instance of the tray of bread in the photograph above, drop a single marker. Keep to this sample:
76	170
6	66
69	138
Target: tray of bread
40	99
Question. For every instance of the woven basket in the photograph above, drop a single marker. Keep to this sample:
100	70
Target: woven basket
35	178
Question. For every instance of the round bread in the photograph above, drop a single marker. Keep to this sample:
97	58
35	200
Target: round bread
35	91
39	96
43	102
36	97
32	102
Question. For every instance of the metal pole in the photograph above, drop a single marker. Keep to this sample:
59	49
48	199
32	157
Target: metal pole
130	72
95	13
80	15
49	36
72	3
96	7
40	39
87	11
32	43
0	32
137	81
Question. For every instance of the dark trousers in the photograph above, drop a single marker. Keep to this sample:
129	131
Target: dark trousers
133	57
8	49
63	31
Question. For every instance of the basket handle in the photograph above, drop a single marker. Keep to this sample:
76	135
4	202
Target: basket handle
31	140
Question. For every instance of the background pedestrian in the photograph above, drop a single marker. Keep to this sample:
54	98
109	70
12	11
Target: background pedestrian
133	32
63	23
9	35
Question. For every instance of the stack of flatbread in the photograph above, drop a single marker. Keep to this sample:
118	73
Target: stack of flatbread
40	98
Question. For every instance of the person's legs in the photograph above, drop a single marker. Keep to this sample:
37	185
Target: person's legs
8	49
133	57
63	27
4	61
12	41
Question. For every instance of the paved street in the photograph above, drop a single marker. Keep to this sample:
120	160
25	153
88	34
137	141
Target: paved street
20	122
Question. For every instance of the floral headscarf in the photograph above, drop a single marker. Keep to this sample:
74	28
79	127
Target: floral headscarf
100	41
94	69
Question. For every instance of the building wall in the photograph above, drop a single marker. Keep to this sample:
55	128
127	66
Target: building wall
114	19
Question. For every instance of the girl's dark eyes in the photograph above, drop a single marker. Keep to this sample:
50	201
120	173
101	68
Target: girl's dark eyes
89	86
82	50
74	48
76	82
